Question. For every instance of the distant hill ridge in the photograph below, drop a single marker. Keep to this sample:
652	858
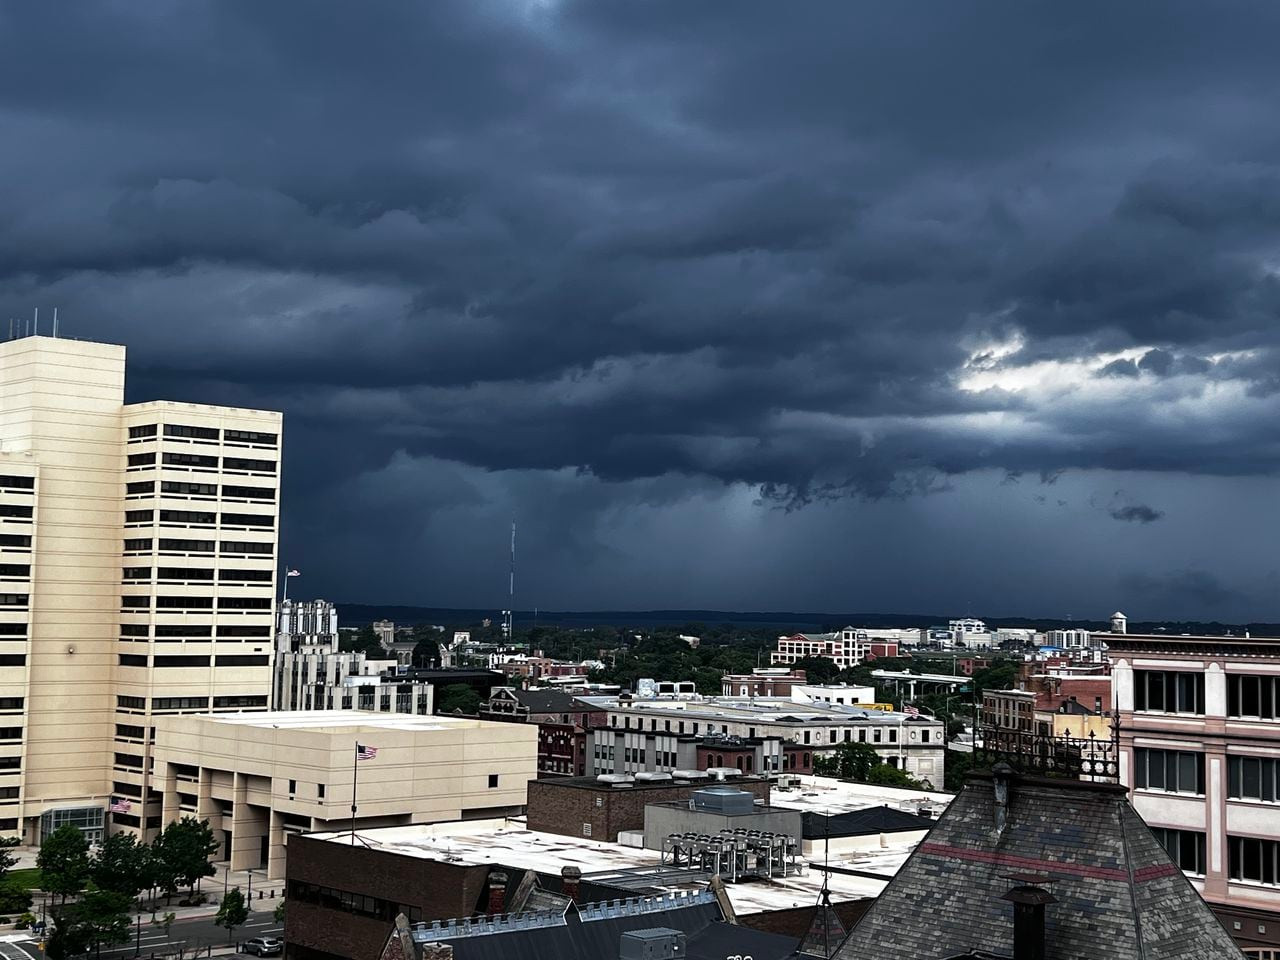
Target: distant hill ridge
358	614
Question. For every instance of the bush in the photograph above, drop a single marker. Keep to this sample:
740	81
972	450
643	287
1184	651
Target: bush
26	920
14	898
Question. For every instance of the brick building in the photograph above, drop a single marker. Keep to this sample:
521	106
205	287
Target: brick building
761	682
563	723
599	809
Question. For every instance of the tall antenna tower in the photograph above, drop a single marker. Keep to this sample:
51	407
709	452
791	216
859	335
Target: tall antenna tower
508	622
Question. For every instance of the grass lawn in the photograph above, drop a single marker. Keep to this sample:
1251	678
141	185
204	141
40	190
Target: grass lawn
28	878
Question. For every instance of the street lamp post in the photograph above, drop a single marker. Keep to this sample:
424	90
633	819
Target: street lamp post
137	943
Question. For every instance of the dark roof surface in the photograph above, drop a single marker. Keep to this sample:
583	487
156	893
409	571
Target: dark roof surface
716	941
858	823
578	940
1118	895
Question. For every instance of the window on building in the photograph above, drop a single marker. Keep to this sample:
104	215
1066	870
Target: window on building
876	734
180	488
142	459
1185	847
1253	778
244	576
133	659
13	630
231	492
17	483
248	466
239	702
232	547
242	660
192	433
254	437
129	760
1253	697
1254	860
141	488
1175	771
244	603
131	703
180	703
186	546
183	517
293	787
196	460
142	545
180	660
142	430
182	630
128	731
184	603
493	780
1168	691
139	516
248	520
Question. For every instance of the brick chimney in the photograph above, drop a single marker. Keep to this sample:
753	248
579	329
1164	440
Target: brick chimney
570	877
497	893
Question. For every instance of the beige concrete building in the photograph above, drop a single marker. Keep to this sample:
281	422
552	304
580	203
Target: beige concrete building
137	550
259	777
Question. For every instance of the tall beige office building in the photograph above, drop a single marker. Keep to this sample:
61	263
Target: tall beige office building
137	577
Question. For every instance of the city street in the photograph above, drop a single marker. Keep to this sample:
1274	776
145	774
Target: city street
191	934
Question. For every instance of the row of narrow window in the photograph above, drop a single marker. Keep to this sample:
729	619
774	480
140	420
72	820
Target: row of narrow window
206	517
1173	691
202	461
182	488
184	431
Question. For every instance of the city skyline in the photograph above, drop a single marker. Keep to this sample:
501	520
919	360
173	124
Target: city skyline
740	312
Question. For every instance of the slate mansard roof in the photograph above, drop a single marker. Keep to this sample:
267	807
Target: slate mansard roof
1118	895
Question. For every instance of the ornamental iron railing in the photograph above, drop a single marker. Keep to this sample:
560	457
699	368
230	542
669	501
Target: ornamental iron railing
1092	757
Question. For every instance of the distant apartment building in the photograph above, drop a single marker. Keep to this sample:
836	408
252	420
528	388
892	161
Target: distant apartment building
916	744
312	673
138	549
563	723
761	682
1200	742
837	694
1073	639
846	647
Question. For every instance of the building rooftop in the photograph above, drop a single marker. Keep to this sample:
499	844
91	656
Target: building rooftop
509	843
596	785
333	721
831	796
756	709
861	823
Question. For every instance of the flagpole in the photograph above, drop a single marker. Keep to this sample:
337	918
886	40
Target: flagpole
355	774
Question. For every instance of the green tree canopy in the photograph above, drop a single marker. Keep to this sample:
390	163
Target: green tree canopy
232	912
122	865
458	697
100	919
817	669
363	641
426	650
64	862
185	846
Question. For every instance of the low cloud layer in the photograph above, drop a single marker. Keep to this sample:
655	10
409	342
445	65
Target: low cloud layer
649	260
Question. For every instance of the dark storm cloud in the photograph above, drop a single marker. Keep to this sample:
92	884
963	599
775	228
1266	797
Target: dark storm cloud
1136	513
841	249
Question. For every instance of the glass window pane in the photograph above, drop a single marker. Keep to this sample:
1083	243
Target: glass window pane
1187	772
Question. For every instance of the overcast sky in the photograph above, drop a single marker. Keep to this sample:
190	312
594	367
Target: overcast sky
937	307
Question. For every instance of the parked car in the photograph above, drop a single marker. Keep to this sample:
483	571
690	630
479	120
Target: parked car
263	946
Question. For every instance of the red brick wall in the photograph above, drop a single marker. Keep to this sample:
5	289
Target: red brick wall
558	807
440	890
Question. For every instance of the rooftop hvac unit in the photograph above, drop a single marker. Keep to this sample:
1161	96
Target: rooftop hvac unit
615	779
722	800
689	774
652	777
720	773
654	943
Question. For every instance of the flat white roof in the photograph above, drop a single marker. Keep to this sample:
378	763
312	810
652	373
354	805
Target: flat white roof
829	796
510	843
334	720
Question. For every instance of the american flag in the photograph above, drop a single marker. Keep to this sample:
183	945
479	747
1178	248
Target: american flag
292	573
120	805
910	711
365	753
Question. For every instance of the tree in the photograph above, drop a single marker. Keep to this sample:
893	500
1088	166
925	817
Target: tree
278	912
7	859
64	862
887	775
232	912
185	847
458	698
164	922
817	669
101	918
122	865
426	650
364	641
854	761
